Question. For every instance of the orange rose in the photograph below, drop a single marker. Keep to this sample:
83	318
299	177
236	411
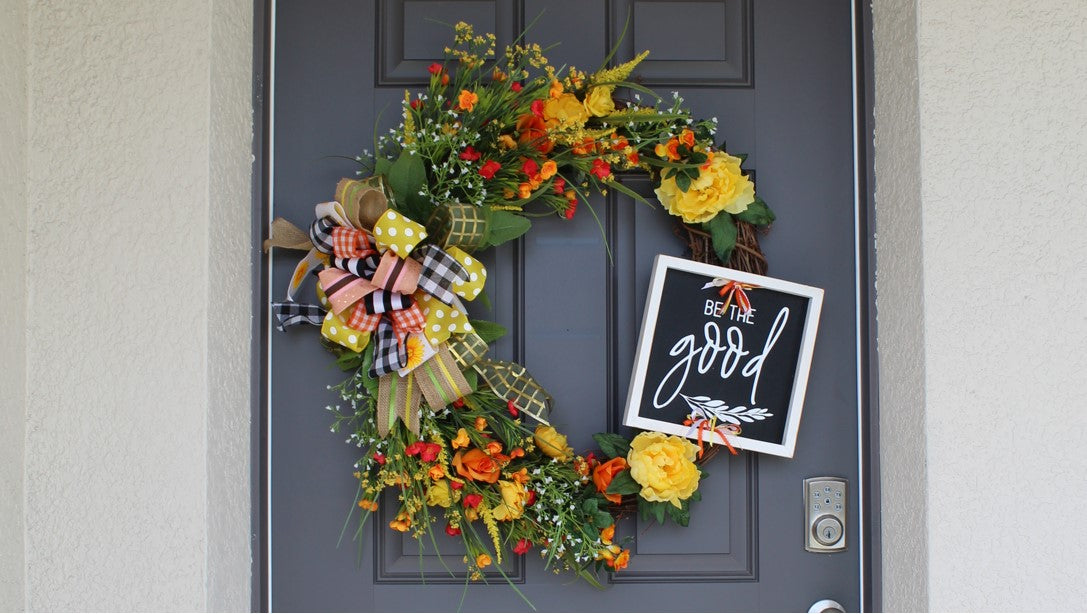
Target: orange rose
605	472
533	131
475	464
467	100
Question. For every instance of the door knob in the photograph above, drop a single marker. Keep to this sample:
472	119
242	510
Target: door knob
825	605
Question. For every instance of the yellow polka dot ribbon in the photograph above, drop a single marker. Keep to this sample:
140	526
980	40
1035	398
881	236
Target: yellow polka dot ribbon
335	329
441	320
477	274
398	233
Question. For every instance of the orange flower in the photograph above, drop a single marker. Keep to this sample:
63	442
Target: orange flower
517	453
483	560
506	141
586	146
605	472
437	472
475	464
620	562
402	523
461	440
620	143
524	190
481	424
467	100
667	150
607	534
556	89
548	170
687	138
508	194
494	448
521	477
533	131
498	75
634	158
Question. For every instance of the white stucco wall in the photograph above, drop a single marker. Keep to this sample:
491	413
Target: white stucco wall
13	121
999	322
137	454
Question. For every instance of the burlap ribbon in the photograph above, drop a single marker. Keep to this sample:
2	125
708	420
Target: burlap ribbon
439	380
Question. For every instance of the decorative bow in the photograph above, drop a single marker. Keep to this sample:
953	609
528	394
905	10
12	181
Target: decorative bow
732	289
698	421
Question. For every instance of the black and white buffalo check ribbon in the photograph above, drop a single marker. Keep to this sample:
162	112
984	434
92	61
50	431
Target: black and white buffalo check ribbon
440	272
290	313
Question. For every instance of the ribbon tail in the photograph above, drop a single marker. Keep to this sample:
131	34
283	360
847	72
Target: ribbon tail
441	380
286	235
289	313
397	397
513	382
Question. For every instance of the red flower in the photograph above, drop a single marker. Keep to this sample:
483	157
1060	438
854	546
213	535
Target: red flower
416	103
522	546
459	403
415	448
379	458
571	210
515	86
434	69
560	185
455	485
473	500
451	530
531	498
512	408
430	452
537	108
489	169
601	169
530	167
469	154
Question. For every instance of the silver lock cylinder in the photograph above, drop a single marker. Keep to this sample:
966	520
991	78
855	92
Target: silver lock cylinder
825	503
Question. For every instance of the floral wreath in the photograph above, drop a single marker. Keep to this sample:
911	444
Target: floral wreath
488	145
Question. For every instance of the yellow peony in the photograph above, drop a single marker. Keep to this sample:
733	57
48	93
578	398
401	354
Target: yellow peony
566	111
440	494
664	466
720	187
553	443
514	497
599	102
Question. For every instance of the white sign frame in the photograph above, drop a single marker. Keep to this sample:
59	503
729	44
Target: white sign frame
661	265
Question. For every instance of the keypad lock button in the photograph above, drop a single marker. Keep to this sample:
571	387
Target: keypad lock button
827	530
825	523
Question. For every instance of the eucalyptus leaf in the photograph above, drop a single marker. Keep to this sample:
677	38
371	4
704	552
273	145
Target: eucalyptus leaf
722	230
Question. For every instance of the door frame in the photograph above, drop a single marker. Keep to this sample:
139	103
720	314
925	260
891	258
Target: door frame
871	576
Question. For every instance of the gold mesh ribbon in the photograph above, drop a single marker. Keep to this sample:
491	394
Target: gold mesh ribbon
513	382
467	349
397	397
460	225
364	201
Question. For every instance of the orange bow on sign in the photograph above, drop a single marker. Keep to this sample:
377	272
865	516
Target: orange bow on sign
730	289
709	426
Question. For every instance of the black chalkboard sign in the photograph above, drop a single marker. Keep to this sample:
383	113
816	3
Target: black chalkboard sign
723	354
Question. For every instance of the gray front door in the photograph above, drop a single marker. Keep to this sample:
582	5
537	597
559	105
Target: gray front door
778	75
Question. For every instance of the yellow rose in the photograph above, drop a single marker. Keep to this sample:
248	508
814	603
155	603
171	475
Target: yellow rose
720	187
514	497
599	102
664	466
566	111
440	494
553	443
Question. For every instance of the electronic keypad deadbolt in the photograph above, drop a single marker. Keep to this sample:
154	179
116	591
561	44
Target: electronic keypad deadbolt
825	502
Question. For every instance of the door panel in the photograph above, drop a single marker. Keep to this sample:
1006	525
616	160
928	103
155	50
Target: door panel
778	75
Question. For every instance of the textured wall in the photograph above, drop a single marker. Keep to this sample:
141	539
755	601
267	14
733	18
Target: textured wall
1004	146
137	407
901	338
13	117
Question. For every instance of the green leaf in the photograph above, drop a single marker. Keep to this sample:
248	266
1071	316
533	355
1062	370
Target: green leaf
757	213
406	177
472	378
679	515
590	506
349	360
619	187
623	484
723	232
382	166
683	181
612	444
603	519
506	226
488	331
697	158
658	510
368	382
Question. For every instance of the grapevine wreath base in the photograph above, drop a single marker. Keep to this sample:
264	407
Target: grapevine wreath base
466	441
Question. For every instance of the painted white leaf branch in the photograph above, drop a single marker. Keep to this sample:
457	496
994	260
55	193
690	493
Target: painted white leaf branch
712	407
